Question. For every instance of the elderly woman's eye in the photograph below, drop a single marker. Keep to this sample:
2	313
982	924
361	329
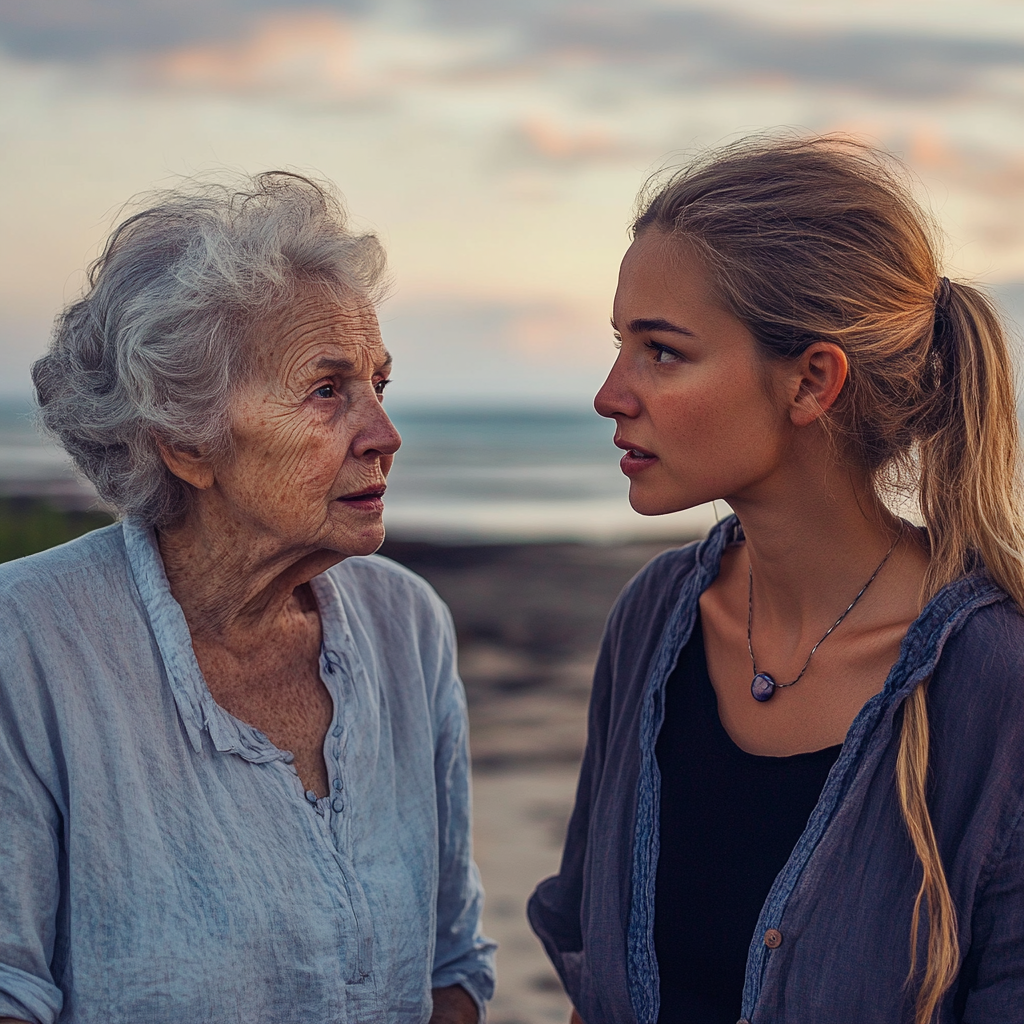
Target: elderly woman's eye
325	391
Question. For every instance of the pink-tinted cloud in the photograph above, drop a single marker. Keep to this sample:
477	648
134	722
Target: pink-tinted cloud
313	48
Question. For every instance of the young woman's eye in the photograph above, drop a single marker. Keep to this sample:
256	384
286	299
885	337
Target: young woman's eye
325	391
381	385
663	354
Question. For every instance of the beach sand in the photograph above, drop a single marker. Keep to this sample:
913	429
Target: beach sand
529	619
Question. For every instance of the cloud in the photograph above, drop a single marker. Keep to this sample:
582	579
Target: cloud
322	54
86	29
542	136
673	46
282	51
694	45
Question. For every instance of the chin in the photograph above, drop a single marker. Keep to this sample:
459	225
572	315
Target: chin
365	544
364	540
654	504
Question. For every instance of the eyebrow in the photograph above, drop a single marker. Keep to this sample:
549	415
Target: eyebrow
645	325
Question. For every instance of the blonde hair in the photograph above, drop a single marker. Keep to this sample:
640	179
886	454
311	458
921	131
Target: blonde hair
820	239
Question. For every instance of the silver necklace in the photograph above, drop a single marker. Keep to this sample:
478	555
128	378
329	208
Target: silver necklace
763	686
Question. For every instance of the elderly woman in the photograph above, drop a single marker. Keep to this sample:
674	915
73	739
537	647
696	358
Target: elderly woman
233	762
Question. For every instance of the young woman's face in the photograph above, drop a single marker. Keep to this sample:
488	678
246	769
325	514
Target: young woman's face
690	393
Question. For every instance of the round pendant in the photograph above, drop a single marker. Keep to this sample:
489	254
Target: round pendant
762	687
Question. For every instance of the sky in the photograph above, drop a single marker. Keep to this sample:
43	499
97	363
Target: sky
497	147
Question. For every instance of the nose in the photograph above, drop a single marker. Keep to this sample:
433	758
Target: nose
377	435
616	397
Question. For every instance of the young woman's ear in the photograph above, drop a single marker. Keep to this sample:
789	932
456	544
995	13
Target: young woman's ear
818	378
188	465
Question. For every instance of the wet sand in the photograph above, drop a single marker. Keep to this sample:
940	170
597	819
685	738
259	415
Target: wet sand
529	618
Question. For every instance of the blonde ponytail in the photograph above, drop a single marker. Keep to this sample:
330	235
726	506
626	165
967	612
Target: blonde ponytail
943	945
970	485
970	497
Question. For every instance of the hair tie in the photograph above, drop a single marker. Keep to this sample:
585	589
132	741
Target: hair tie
944	335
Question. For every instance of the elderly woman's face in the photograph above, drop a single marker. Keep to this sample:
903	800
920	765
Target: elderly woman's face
312	444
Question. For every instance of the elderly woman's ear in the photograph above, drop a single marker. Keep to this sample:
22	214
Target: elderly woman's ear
188	464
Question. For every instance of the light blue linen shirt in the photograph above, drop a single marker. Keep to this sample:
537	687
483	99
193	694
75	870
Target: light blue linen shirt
160	860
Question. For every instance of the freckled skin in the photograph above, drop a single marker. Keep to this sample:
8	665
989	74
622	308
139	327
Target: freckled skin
308	430
701	407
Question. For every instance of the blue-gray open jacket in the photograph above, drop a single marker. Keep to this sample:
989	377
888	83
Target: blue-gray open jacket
843	901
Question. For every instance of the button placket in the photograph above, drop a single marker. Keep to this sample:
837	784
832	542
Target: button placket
339	675
336	665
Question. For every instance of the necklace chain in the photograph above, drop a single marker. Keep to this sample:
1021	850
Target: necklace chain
827	633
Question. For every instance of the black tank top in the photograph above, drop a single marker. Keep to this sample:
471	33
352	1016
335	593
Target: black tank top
729	821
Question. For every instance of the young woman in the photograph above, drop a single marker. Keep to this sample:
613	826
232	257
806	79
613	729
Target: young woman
802	799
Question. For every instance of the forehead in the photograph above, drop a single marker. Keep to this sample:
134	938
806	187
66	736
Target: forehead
661	271
317	325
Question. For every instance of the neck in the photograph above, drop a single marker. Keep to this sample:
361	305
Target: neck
230	582
811	549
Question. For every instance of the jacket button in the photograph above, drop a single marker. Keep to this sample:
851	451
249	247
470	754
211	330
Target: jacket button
773	938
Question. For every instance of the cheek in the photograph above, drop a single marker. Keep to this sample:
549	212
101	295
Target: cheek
728	419
287	460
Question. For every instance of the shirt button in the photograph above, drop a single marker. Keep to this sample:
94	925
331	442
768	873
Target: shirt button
337	805
311	796
337	784
773	938
336	731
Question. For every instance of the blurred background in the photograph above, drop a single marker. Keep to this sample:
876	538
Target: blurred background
497	148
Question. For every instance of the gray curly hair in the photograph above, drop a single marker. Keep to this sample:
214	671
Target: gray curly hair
162	338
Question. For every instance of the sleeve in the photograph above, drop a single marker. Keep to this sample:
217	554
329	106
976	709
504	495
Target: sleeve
554	908
993	971
463	955
29	854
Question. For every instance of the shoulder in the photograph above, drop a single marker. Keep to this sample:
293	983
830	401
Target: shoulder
399	624
982	662
976	698
657	585
384	575
378	585
63	611
69	575
975	702
90	550
640	616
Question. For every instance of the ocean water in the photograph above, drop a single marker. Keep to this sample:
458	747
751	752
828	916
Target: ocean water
501	474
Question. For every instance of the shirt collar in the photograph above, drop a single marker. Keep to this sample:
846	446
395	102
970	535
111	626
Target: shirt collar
197	709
